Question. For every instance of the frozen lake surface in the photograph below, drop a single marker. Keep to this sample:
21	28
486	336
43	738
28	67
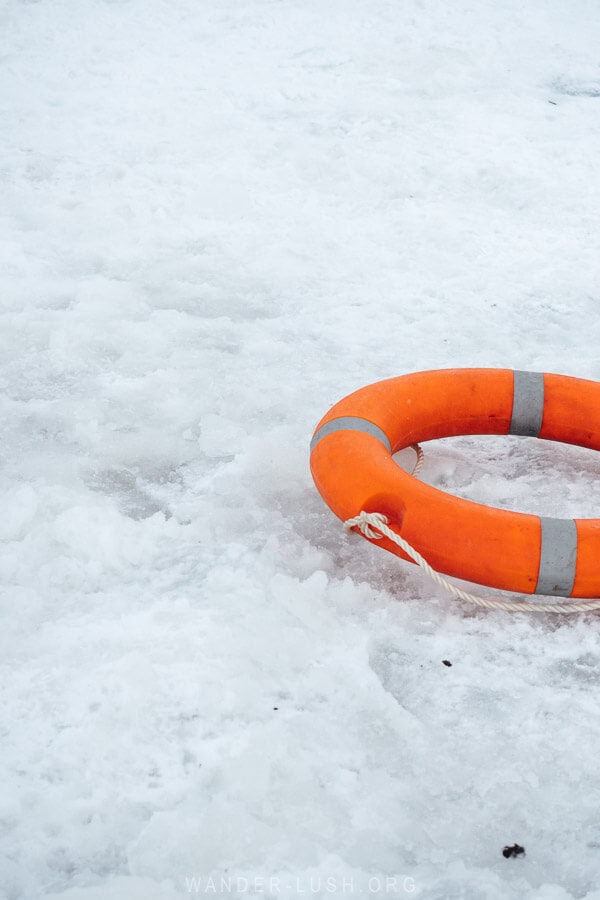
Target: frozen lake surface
219	217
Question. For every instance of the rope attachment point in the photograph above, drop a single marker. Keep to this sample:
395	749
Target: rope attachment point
363	522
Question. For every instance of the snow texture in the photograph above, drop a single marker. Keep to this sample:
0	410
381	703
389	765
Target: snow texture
219	217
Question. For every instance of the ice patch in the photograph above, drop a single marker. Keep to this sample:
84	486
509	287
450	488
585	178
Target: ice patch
220	438
573	88
19	509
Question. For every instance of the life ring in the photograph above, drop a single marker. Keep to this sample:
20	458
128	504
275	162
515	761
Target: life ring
352	466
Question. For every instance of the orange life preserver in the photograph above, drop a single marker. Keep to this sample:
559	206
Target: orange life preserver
351	463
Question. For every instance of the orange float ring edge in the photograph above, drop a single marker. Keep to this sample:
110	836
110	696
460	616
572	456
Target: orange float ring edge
353	469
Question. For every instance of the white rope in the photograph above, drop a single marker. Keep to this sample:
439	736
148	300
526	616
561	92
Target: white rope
420	459
366	522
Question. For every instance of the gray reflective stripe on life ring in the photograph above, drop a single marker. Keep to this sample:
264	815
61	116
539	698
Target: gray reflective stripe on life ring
528	404
558	558
351	423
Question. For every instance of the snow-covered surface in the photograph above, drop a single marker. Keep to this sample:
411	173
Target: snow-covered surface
219	217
